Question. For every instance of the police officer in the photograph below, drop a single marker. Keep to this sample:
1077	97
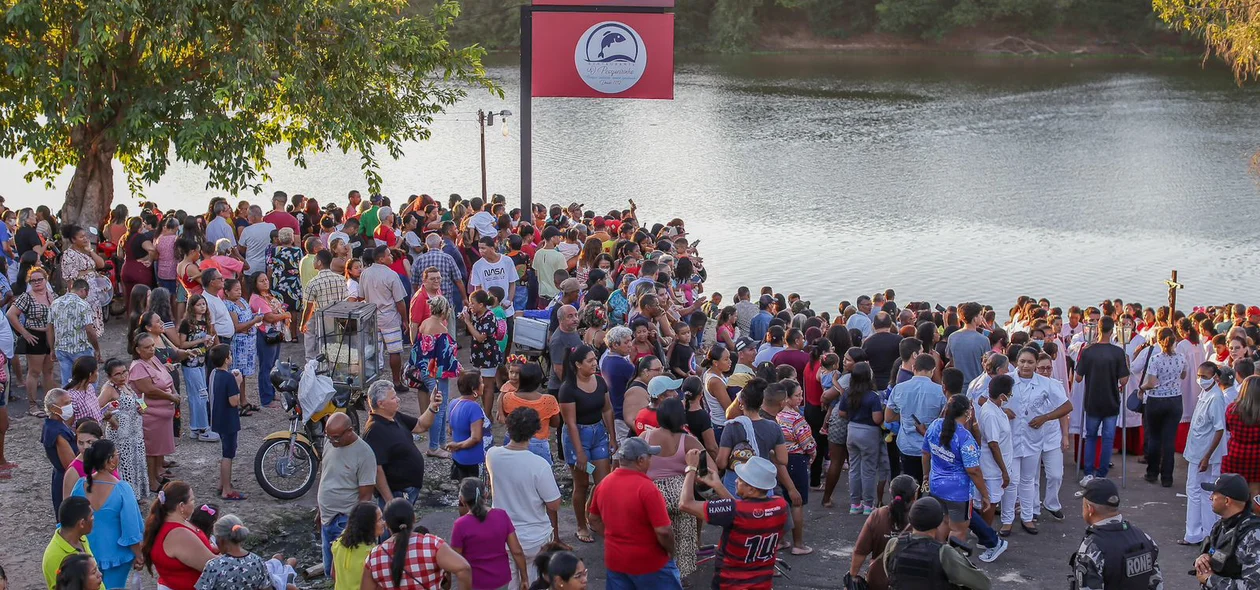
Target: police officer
1231	554
1114	554
921	559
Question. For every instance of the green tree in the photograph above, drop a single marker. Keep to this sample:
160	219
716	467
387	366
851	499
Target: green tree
215	83
1231	29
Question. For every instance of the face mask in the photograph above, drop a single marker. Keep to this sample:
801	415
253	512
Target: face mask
1205	383
1039	343
67	412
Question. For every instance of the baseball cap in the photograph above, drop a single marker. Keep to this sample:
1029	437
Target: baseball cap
634	448
570	285
744	343
550	231
1230	485
1253	311
926	514
766	301
660	384
1104	492
757	472
377	198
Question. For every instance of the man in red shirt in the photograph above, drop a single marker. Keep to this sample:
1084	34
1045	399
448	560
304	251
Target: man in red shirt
751	524
281	218
630	512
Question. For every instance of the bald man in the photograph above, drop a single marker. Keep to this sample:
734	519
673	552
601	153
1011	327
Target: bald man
348	476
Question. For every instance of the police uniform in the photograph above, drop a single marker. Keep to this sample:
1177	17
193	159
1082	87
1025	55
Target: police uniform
1114	554
921	562
1234	544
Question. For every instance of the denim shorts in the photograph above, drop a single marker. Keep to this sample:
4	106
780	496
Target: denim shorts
594	442
228	441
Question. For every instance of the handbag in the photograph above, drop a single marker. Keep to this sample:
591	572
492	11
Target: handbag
1134	402
852	582
273	336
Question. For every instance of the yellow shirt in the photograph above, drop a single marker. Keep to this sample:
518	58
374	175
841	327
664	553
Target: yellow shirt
57	551
348	565
306	270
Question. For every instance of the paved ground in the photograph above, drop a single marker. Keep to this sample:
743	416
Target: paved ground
1031	563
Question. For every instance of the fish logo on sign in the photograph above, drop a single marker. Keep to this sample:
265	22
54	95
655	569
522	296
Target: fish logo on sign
610	57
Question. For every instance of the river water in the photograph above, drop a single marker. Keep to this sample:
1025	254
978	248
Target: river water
945	178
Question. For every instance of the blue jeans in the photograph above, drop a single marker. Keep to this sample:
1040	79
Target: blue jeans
1092	424
537	446
667	577
329	533
437	432
267	355
985	534
411	494
65	361
195	389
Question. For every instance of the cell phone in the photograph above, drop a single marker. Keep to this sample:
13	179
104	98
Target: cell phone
695	243
940	308
590	468
916	420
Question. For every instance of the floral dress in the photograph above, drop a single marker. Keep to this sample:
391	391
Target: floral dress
77	265
244	346
286	280
129	441
486	354
433	357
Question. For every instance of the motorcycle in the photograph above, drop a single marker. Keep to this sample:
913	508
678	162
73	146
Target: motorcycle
287	463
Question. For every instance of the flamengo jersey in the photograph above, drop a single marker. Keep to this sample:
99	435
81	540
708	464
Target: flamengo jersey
750	540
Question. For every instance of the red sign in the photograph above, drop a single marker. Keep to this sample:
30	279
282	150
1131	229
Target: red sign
603	55
664	3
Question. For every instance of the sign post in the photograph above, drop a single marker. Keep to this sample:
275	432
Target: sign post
591	49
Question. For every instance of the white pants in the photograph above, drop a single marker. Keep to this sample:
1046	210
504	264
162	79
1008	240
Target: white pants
1199	515
1014	468
1052	462
1029	476
531	551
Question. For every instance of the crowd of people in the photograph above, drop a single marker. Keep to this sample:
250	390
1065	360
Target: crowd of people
671	407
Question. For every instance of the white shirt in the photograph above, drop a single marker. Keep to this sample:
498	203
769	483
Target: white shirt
1031	398
994	427
523	483
502	274
1230	394
978	387
219	317
1208	419
255	239
860	322
485	224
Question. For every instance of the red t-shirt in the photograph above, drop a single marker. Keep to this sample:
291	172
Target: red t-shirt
632	507
420	307
813	387
644	420
386	234
750	540
284	219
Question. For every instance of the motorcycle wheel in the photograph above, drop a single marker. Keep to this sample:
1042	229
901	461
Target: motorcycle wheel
353	413
282	476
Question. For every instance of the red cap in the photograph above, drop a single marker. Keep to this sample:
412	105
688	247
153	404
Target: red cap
1253	311
598	221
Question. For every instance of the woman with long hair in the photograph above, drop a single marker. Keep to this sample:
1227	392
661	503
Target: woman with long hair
883	524
636	397
138	256
716	364
194	335
485	537
1242	420
434	361
725	331
589	435
150	378
167	257
79	572
286	282
275	326
838	421
244	341
668	470
588	258
411	553
529	394
176	549
125	425
559	569
868	458
814	409
364	525
1161	391
953	469
28	315
82	389
118	527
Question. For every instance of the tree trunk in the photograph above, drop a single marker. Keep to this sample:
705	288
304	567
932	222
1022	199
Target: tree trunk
91	191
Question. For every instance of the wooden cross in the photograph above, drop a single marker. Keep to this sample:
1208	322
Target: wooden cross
1173	287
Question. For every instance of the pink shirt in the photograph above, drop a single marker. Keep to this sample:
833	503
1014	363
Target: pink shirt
230	267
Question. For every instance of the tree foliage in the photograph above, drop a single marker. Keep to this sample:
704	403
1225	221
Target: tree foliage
1231	29
216	83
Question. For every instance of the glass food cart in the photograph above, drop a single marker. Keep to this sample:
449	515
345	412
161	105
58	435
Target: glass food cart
349	341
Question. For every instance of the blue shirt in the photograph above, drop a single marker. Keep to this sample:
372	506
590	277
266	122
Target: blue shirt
224	419
463	413
617	371
921	399
949	479
862	323
449	248
759	324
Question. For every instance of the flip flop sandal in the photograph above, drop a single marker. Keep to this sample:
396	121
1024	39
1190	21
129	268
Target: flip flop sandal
588	539
1006	530
235	496
168	464
1186	543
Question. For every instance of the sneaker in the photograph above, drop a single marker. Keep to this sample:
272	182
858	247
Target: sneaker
867	510
991	555
1055	514
1085	480
195	434
208	436
855	509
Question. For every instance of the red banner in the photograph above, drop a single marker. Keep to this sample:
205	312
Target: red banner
664	3
603	55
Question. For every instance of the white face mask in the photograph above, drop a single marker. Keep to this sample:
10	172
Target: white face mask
1206	384
67	412
1039	343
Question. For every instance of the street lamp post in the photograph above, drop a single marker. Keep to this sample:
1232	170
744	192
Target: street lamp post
485	119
